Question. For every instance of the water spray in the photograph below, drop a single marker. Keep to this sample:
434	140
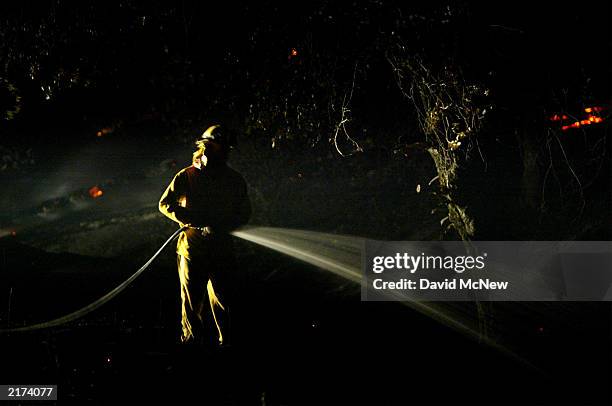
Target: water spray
341	255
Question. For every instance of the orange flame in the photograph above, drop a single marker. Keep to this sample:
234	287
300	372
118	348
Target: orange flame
595	109
95	192
577	124
590	118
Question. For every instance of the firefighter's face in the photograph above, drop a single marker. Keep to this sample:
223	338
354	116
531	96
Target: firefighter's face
214	152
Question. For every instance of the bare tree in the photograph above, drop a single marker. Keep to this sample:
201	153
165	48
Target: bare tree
450	113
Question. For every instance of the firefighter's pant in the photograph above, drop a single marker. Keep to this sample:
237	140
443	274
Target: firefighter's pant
205	297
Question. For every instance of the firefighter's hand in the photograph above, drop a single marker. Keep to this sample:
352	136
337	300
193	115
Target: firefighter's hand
204	230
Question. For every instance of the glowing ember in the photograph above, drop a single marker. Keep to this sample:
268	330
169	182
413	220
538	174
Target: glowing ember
596	119
95	192
104	131
577	124
591	118
293	53
557	117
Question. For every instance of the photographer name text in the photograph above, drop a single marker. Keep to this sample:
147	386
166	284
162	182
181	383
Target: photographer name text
452	284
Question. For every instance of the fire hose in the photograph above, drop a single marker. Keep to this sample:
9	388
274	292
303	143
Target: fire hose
101	301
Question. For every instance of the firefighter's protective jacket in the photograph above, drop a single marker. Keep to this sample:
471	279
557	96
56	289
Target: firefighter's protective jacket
214	197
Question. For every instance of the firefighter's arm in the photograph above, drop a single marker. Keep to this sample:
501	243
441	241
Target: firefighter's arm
169	204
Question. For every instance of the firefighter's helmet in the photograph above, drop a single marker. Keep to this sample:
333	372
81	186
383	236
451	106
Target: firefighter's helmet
214	133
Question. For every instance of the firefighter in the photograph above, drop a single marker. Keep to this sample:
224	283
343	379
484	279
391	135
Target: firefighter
211	199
